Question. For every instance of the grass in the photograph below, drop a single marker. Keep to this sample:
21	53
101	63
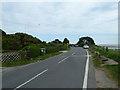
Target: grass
24	62
50	55
96	61
68	49
115	55
111	70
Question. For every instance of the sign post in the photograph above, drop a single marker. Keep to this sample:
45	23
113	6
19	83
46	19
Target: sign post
43	50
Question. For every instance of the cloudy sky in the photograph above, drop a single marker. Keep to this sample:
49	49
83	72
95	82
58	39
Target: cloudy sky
50	20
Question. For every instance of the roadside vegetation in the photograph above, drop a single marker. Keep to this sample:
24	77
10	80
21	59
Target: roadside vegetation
95	59
25	61
31	49
111	70
115	55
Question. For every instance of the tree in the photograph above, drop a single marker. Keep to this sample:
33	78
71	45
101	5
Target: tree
18	41
57	41
66	41
85	40
2	33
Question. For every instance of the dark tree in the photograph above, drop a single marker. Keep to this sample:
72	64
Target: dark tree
18	40
85	40
2	33
57	41
66	41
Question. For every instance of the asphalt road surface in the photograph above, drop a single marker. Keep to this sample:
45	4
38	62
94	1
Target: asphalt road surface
72	69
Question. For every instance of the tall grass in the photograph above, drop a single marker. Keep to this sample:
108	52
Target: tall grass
96	61
115	55
113	72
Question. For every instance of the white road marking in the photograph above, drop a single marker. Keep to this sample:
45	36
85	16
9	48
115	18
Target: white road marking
63	60
87	55
86	72
73	53
31	79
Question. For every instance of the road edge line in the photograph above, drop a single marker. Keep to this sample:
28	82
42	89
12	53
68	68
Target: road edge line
86	72
73	53
31	79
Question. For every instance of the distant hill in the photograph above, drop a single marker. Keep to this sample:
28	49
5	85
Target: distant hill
17	41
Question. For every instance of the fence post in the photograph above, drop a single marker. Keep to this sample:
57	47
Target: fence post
107	49
43	50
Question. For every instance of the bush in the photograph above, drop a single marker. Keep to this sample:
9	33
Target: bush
23	54
34	51
52	49
62	47
18	41
56	48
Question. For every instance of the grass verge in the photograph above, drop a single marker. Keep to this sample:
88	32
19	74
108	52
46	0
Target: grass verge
115	55
24	62
112	71
95	60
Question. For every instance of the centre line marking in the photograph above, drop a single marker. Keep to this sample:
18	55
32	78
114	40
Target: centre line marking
31	79
73	53
63	60
86	72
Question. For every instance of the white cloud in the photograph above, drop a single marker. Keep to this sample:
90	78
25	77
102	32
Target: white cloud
60	0
61	18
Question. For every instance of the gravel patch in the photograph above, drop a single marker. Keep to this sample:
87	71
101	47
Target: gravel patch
63	51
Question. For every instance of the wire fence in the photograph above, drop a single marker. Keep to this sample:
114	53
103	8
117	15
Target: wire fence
11	56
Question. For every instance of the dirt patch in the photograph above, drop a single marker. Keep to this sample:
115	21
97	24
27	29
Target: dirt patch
110	62
103	81
63	51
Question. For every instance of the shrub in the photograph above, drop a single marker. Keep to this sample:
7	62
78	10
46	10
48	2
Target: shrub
23	54
56	48
18	41
34	51
62	47
52	49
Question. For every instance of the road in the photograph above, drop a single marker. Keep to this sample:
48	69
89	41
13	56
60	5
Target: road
72	69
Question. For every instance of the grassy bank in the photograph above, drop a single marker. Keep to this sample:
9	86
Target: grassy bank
24	62
95	60
113	73
111	70
115	55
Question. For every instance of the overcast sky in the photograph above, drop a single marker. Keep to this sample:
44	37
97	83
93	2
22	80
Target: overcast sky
50	20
